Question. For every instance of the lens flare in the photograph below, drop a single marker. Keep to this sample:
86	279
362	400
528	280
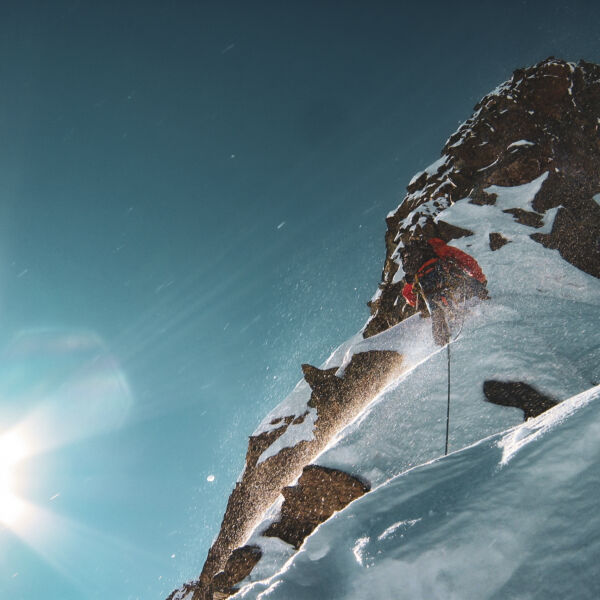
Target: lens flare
13	449
60	387
69	384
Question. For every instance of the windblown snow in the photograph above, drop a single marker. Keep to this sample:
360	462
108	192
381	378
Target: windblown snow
449	529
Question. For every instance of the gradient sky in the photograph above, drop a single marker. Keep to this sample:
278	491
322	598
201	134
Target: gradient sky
192	204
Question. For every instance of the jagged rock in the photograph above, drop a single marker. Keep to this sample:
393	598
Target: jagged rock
239	565
337	399
518	394
319	493
324	384
497	240
544	120
526	217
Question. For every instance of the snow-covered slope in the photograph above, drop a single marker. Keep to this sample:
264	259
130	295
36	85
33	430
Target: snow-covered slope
539	327
513	516
514	189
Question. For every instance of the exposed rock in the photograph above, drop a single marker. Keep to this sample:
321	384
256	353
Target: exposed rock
518	394
257	444
482	198
544	120
575	235
239	565
497	240
526	217
338	400
319	493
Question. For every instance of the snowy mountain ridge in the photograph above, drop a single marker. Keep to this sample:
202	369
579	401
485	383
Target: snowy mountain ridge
514	189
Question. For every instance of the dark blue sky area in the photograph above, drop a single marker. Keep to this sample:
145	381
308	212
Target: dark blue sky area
195	192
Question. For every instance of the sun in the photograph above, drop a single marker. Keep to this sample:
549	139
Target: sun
13	449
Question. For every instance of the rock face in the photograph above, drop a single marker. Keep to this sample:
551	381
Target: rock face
336	400
544	120
515	186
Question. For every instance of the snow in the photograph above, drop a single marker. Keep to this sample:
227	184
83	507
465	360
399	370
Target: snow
432	169
539	327
515	441
399	274
415	178
377	295
488	166
480	528
427	209
275	551
392	529
358	548
519	196
520	143
293	435
296	404
183	595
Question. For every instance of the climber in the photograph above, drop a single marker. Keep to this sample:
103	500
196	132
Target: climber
444	277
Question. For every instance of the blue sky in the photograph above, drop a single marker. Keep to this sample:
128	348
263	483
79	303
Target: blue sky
192	203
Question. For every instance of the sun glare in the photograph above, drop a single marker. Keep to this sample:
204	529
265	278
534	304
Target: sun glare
13	449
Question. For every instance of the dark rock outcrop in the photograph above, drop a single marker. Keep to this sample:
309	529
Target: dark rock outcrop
518	394
338	400
319	493
238	566
497	240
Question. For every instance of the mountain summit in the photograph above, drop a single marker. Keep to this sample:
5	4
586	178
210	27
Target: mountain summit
486	316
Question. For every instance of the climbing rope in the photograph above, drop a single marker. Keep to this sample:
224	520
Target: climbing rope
448	404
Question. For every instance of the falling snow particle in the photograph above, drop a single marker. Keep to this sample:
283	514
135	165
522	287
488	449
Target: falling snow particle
358	549
210	478
281	225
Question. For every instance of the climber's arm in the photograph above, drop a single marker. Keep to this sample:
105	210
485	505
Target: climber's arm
409	294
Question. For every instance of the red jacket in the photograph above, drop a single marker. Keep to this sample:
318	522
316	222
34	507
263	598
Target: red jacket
468	264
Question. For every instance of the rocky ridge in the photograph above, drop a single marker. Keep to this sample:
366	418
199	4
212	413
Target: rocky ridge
541	126
336	399
544	119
